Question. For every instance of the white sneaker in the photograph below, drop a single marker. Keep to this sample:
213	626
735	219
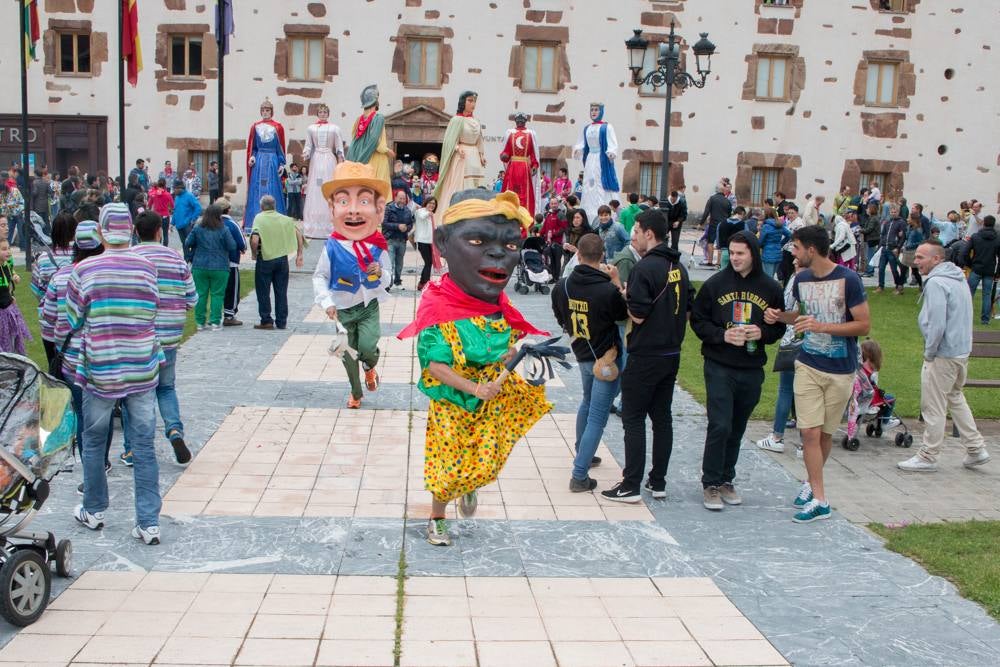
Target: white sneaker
917	464
891	423
93	521
798	452
979	458
214	327
771	445
199	327
150	535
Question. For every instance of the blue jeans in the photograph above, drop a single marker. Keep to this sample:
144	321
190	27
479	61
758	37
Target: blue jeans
770	268
786	397
592	416
397	250
166	400
889	257
870	250
77	395
974	279
140	432
15	225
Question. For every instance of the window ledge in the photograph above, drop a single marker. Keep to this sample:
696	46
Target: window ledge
772	99
881	106
75	75
423	86
177	78
539	91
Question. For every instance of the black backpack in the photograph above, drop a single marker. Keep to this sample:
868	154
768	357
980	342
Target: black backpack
957	252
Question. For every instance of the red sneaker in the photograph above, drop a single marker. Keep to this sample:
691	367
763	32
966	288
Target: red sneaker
371	379
353	403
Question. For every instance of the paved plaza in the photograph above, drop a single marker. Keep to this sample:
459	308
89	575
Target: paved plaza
284	538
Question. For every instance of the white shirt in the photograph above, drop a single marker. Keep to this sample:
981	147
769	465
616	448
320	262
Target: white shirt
875	194
326	297
423	229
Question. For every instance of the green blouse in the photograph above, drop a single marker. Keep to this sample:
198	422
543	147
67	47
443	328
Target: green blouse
483	341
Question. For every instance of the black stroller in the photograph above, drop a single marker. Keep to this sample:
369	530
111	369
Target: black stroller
532	272
37	429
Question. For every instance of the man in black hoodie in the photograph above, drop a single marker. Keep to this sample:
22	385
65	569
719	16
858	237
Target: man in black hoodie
728	317
587	304
659	298
985	251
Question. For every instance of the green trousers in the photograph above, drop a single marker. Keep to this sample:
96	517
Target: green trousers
363	331
209	284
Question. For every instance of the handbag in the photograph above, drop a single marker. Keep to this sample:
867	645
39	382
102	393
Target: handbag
56	363
605	368
784	360
906	257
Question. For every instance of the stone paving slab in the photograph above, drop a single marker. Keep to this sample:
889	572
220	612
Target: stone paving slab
308	359
142	618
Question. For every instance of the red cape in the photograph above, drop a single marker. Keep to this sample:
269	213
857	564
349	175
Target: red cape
446	302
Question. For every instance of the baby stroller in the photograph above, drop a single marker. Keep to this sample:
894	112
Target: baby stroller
531	270
875	410
37	429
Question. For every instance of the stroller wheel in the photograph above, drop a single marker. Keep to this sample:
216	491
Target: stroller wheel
25	584
64	558
521	289
907	440
900	440
878	430
850	444
544	289
870	430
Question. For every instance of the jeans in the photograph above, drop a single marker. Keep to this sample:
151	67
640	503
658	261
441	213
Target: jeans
182	233
397	250
889	257
555	253
77	395
166	230
987	281
427	255
770	268
231	304
869	269
648	390
272	272
675	237
295	205
145	469
363	330
211	286
786	400
15	225
166	400
731	396
592	416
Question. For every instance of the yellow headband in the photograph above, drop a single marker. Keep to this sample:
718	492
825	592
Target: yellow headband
506	204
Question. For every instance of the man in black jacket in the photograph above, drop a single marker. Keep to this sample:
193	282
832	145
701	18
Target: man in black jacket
659	298
728	317
984	250
718	208
677	213
587	304
396	226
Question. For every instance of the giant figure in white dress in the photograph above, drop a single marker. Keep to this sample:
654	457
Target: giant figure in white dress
598	148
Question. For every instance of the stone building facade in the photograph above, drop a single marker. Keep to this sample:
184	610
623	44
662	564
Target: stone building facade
804	95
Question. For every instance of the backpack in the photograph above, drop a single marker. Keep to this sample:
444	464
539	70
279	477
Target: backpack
957	252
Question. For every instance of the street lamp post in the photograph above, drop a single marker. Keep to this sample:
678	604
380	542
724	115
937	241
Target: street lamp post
668	73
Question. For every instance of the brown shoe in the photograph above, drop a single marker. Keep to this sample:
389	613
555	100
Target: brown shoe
266	326
729	495
713	500
371	379
231	322
353	403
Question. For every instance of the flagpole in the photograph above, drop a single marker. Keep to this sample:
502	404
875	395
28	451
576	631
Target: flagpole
121	95
25	182
220	40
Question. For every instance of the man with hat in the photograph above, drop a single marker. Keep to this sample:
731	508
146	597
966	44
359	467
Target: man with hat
368	143
111	302
353	272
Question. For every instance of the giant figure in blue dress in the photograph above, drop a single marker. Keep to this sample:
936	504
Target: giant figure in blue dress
265	158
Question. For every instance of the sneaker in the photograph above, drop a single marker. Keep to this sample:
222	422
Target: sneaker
804	497
596	461
79	489
150	535
199	327
729	495
181	453
813	511
371	379
582	485
437	533
917	464
771	445
214	327
353	403
979	458
622	494
712	499
126	458
790	423
265	326
231	322
658	491
798	452
107	467
891	422
93	521
468	503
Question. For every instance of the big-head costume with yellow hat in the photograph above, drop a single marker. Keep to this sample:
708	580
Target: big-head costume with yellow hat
349	274
466	322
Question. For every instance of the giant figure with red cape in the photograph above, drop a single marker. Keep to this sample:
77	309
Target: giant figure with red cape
520	154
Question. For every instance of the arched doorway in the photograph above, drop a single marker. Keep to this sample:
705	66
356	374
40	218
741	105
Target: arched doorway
416	131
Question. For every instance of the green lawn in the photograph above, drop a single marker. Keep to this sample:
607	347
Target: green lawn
29	309
965	553
894	326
